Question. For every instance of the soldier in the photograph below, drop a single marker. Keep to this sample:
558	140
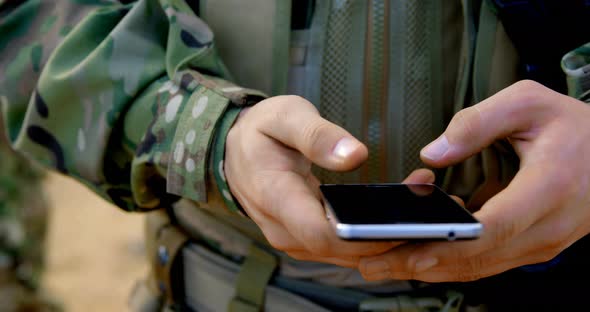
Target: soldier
134	100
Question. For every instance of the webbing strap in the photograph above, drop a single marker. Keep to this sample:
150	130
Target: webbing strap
397	304
465	69
402	303
251	283
169	242
163	242
484	50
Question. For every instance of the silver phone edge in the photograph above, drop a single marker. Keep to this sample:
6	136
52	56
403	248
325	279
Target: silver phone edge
367	231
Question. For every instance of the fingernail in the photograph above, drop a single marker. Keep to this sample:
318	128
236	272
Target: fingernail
436	149
344	147
376	266
423	265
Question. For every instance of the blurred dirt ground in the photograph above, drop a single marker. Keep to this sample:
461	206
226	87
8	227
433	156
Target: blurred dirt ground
95	251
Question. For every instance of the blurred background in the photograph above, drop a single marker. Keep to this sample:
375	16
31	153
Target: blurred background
95	251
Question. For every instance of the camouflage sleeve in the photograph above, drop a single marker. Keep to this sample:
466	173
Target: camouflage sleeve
132	100
576	66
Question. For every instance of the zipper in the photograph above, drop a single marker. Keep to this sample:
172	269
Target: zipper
376	75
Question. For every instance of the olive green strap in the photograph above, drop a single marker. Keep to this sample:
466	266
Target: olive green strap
280	53
484	51
251	283
465	70
400	304
169	243
163	243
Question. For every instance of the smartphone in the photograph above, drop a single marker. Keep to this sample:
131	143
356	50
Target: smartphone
397	212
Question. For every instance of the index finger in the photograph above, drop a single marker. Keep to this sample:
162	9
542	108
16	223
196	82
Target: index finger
505	216
513	111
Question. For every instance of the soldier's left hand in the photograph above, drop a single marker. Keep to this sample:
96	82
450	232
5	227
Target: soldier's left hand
545	208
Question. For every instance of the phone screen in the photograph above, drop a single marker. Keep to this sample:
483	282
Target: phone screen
393	204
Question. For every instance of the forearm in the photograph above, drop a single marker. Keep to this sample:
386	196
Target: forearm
121	105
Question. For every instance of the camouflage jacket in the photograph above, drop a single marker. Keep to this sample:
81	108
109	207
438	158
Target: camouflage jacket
22	221
134	100
16	174
127	98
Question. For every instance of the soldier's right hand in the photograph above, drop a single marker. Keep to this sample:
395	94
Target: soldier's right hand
269	153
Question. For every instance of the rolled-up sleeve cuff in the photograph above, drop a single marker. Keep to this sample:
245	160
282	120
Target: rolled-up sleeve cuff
209	113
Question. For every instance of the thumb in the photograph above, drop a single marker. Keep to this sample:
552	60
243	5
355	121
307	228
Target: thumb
511	112
295	122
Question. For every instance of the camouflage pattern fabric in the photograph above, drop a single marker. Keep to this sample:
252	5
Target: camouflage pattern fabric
23	220
127	98
576	66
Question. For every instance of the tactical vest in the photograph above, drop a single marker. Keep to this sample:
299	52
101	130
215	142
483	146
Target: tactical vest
393	73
